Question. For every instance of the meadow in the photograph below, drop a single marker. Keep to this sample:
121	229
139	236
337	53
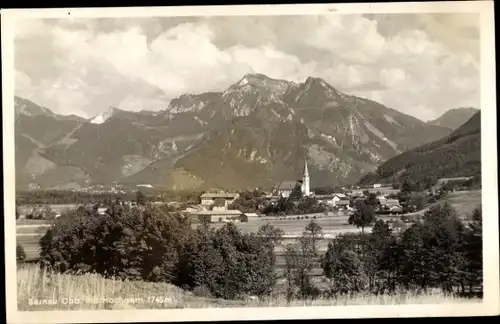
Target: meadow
464	203
43	290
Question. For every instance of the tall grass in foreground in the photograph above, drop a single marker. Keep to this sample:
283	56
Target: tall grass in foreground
45	290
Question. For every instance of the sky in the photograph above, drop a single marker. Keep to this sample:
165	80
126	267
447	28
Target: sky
419	64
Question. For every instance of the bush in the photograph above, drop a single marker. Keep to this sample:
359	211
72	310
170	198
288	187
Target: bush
202	291
307	217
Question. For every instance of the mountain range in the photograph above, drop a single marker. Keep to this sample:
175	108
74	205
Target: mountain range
256	132
455	155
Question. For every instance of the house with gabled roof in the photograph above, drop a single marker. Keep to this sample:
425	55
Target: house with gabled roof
219	198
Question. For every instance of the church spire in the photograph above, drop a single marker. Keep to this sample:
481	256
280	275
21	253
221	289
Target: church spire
305	180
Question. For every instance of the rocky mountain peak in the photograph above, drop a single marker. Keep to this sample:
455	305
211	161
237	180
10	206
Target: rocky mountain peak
26	107
104	116
315	92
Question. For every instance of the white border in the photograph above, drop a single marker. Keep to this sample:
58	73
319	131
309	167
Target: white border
490	304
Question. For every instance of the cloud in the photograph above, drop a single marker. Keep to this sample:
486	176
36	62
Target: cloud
406	62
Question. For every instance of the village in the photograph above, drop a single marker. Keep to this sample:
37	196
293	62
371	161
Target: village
223	206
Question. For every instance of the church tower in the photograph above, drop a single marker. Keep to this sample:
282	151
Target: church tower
305	181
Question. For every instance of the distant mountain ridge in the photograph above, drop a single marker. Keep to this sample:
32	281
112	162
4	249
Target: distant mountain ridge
256	132
455	155
454	118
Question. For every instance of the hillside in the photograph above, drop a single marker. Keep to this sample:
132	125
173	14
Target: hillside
454	118
455	155
256	132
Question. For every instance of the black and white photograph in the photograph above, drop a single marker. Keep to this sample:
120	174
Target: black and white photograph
223	161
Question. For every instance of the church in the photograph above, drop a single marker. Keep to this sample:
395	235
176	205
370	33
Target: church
285	188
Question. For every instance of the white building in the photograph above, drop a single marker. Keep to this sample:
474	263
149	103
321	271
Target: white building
334	200
208	199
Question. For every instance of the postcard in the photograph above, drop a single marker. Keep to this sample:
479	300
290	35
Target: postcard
250	162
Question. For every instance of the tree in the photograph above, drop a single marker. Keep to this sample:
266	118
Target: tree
299	260
363	216
344	269
389	264
473	253
378	241
406	187
315	233
200	263
140	198
429	181
296	193
371	200
432	251
271	235
419	200
227	262
20	253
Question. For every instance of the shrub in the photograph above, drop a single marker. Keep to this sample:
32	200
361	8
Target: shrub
202	291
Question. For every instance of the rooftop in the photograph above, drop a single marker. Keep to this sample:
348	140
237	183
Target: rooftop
285	185
216	212
252	214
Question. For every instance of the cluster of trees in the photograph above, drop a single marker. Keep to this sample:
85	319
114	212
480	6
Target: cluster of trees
158	244
54	197
327	190
294	204
437	252
249	202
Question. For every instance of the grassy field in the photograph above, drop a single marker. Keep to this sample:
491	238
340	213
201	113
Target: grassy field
464	202
41	290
